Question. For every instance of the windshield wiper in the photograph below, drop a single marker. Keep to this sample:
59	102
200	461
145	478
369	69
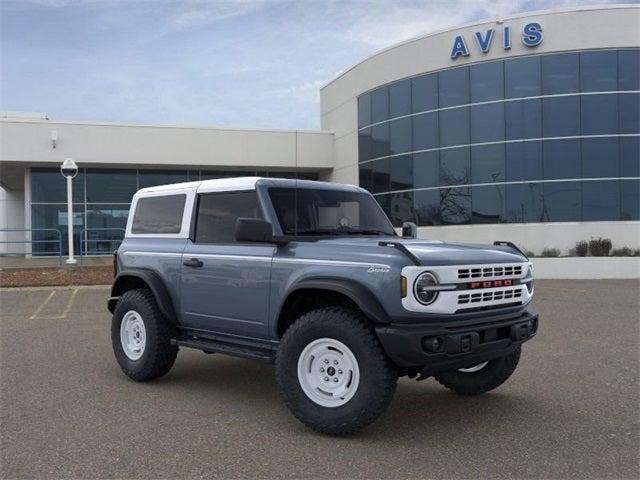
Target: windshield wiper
365	231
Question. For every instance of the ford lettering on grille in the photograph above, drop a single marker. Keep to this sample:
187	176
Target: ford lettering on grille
490	284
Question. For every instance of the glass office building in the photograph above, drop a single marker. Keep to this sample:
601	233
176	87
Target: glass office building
540	138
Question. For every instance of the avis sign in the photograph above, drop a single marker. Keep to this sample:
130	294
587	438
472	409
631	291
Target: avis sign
531	37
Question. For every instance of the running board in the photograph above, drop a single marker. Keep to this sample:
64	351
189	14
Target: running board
212	346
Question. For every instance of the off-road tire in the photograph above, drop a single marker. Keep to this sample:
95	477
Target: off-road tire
378	376
159	355
494	374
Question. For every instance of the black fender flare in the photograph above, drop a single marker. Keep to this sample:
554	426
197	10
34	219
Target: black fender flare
155	284
361	295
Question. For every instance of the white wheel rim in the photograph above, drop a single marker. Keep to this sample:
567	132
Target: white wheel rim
328	372
133	335
475	368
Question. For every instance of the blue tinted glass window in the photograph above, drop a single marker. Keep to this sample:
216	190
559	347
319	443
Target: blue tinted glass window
562	201
454	127
455	205
379	104
366	180
364	110
523	161
213	174
49	186
161	177
488	204
54	217
425	131
487	123
381	175
560	73
401	177
424	92
426	169
364	144
112	221
111	186
630	156
383	200
561	116
487	81
400	135
629	70
599	71
630	200
455	166
522	77
600	157
427	207
523	119
629	113
524	203
401	208
600	200
453	86
380	140
487	164
599	114
561	159
400	98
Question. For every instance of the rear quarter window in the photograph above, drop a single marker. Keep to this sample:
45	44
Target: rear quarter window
160	215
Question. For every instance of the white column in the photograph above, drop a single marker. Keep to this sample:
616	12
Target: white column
70	260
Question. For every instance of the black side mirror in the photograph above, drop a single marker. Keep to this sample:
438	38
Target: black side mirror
409	230
254	230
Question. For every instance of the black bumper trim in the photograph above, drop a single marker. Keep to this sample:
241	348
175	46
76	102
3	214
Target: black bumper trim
458	344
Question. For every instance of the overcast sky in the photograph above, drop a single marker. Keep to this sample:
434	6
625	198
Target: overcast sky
243	63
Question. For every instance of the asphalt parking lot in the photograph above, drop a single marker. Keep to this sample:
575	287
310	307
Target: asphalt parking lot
570	411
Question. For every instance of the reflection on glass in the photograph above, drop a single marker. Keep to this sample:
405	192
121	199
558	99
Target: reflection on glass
425	131
454	127
380	140
381	173
561	116
424	93
401	208
487	123
364	145
630	157
151	178
560	73
523	161
453	87
427	207
49	186
629	69
380	104
600	157
524	203
364	110
426	169
55	217
487	81
488	204
562	202
400	98
455	205
561	159
401	175
455	166
400	135
522	77
487	164
598	71
629	113
600	200
523	119
630	200
111	186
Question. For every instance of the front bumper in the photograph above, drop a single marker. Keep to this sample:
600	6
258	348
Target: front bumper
437	347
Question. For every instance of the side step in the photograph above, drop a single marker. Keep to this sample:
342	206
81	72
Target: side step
214	346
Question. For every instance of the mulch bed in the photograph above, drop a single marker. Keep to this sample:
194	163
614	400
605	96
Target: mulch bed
55	276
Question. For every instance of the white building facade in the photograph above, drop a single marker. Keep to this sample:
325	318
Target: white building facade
523	129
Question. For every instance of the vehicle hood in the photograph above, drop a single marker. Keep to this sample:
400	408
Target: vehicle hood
433	252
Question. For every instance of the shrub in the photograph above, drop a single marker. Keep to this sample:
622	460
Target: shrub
581	248
529	253
624	252
600	247
550	252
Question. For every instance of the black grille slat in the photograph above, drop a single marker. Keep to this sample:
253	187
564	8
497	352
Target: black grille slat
488	272
481	297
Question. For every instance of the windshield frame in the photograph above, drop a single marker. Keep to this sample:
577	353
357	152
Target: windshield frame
384	228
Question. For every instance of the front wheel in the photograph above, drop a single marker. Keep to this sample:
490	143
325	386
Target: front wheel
332	372
481	378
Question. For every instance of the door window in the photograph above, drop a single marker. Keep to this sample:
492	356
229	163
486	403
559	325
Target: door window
218	212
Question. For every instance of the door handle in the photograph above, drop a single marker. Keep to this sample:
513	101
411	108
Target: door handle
193	263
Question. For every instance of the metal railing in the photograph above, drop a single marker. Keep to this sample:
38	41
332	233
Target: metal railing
85	241
31	241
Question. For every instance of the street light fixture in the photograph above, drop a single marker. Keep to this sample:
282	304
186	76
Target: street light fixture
69	169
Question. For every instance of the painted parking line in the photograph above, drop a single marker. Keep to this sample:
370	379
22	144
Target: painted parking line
36	315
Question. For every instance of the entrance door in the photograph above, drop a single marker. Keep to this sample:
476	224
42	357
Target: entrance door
225	284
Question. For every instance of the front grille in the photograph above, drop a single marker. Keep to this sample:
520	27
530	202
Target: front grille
490	296
490	272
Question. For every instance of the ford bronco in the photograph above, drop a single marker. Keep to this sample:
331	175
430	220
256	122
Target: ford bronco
313	277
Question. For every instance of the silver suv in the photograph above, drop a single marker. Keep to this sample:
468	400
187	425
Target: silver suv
312	276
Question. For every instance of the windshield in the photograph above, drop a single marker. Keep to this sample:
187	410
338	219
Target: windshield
328	212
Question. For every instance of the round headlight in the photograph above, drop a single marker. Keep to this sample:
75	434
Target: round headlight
424	288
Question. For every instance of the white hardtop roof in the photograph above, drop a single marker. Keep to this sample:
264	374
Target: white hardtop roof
216	184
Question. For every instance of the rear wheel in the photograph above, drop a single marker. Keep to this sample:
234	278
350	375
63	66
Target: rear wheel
480	378
332	372
141	337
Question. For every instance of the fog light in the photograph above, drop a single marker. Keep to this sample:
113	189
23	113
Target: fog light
433	344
